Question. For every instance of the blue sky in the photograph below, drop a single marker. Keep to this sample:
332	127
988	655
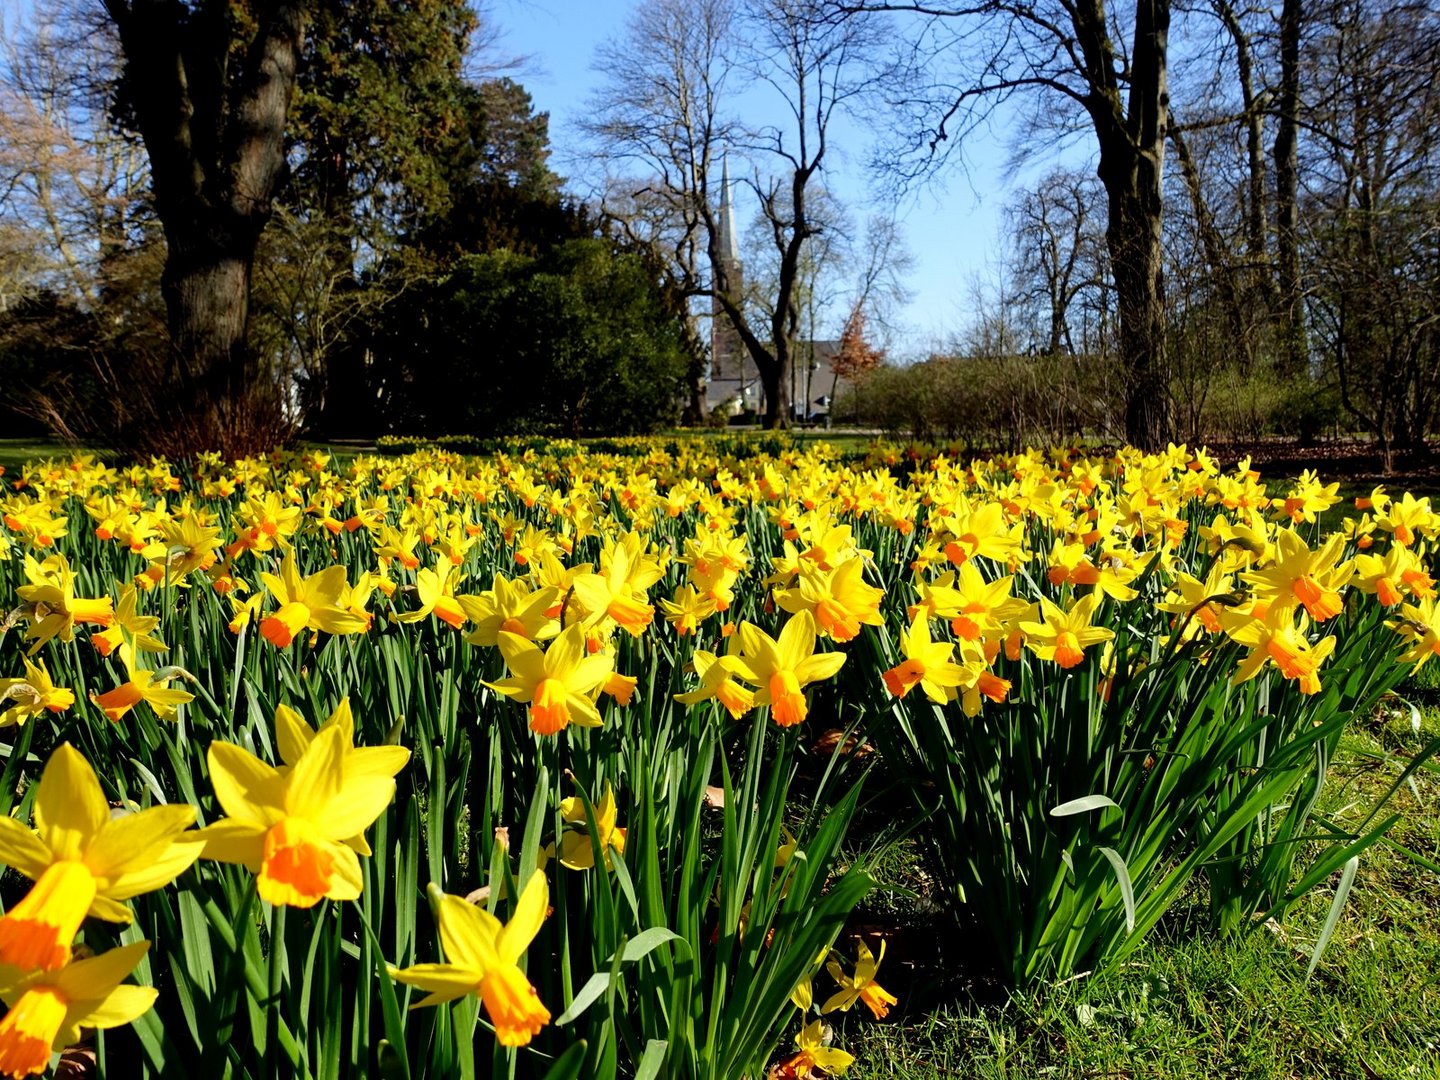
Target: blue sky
953	230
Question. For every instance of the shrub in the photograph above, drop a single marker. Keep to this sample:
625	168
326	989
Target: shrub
580	340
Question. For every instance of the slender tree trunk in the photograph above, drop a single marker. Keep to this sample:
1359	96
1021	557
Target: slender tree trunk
1213	245
1294	350
1254	118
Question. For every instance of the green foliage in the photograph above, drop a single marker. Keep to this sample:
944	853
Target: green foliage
1195	1006
582	339
990	401
1242	404
1070	819
379	110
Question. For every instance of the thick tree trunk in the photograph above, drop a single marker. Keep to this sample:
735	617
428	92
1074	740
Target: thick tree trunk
214	128
1131	134
775	380
207	300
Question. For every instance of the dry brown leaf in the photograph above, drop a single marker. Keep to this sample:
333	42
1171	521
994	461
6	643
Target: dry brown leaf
830	743
77	1063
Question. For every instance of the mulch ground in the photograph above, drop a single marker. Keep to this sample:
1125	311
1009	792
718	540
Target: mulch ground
1340	459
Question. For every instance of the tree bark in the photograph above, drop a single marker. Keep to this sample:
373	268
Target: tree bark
207	300
1294	350
214	129
1254	119
1132	159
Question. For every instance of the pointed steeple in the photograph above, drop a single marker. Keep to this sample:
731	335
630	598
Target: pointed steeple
727	353
729	237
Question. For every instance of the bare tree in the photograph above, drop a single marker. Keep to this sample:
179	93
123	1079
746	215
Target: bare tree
660	128
1059	257
1374	212
664	109
69	185
967	58
1290	292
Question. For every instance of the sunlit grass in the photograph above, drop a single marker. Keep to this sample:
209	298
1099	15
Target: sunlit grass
1188	1004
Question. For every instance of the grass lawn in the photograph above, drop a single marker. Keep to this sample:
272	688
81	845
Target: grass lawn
14	453
1188	1005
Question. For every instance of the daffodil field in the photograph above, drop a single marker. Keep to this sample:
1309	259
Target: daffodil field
573	762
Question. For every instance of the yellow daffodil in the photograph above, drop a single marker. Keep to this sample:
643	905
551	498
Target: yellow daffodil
717	680
803	996
47	1009
1393	576
1419	625
1071	564
483	956
1198	602
716	561
32	695
576	850
859	986
295	829
971	532
513	607
436	598
312	603
618	591
558	683
1407	517
293	736
1065	635
974	606
129	625
688	610
1276	638
783	667
928	664
142	685
84	861
54	609
813	1054
1308	498
839	599
979	683
1301	576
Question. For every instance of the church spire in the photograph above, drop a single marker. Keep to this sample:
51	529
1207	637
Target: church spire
727	353
729	237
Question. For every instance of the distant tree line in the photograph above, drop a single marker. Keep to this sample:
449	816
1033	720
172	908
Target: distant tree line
223	223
